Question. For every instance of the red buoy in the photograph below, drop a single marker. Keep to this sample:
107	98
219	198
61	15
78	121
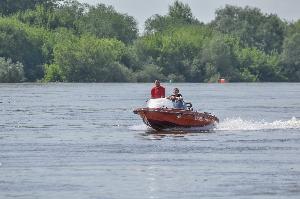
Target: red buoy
221	80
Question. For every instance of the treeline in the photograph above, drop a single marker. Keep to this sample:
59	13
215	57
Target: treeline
67	41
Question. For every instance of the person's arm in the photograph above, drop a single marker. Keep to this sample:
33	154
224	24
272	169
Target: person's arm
170	97
179	97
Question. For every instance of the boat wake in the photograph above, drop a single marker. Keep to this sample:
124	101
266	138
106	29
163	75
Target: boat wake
239	124
139	127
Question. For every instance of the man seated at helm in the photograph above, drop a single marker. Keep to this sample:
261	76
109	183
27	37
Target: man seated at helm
177	99
157	91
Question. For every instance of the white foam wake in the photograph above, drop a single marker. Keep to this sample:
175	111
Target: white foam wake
139	127
238	124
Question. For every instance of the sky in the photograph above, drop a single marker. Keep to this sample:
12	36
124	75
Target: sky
203	10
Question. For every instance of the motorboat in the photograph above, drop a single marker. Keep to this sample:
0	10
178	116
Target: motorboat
160	114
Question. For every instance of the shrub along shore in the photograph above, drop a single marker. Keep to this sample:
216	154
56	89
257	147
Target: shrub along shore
67	41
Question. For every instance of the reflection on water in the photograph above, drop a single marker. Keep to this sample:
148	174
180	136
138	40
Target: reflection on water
156	135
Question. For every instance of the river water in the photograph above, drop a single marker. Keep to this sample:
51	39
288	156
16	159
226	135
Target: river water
83	141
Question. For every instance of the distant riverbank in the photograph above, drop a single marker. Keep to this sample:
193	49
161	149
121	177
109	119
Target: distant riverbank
74	42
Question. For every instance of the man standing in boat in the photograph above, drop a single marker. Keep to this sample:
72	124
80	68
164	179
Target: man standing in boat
157	91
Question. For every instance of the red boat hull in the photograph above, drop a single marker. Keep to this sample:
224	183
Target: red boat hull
165	118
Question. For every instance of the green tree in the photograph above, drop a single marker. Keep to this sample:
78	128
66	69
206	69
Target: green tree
218	55
64	15
293	28
174	50
75	42
8	7
291	58
179	14
255	29
104	22
88	59
40	16
149	73
197	71
53	73
256	65
23	44
10	72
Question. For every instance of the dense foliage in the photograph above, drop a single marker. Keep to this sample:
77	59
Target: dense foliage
10	72
8	7
56	40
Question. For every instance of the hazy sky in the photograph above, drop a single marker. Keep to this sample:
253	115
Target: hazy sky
203	10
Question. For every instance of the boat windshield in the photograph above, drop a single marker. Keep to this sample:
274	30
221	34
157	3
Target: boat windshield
159	103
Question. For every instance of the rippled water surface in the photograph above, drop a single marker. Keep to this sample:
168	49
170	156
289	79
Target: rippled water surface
83	141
